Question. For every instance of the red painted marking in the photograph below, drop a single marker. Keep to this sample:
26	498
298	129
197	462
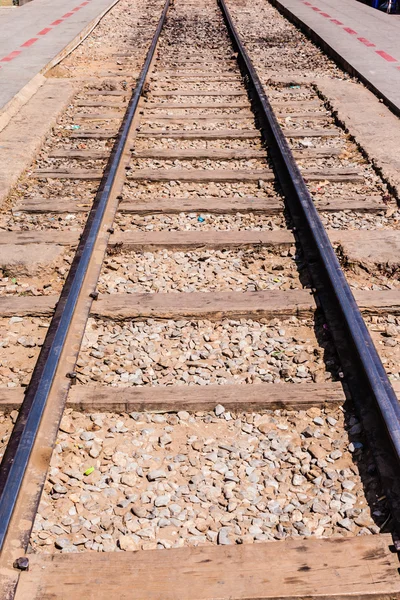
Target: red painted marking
11	56
29	43
45	31
325	15
366	42
386	56
363	40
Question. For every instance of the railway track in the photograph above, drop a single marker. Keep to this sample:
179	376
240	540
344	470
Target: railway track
207	384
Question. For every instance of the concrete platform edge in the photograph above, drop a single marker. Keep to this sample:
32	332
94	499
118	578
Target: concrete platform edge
29	90
327	48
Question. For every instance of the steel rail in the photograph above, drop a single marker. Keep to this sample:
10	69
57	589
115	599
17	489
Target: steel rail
20	445
338	294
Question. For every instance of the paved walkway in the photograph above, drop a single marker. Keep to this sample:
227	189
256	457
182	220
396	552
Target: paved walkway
367	39
34	34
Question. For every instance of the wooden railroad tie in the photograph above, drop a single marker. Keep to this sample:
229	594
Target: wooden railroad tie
356	567
214	205
203	305
202	175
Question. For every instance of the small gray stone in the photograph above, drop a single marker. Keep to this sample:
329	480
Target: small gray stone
139	511
183	415
223	536
335	454
347	524
162	500
62	543
156	474
95	450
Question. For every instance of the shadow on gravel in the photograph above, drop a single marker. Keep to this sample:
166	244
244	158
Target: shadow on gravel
363	455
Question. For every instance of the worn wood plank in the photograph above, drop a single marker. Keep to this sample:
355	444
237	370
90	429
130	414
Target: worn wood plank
234	133
201	74
206	305
156	239
309	116
223	154
376	302
205	175
80	154
369	248
200	175
194	105
334	175
59	206
22	306
201	134
160	82
291	91
199	60
268	206
209	118
175	398
380	247
60	238
322	133
84	174
277	104
136	240
265	205
99	116
126	94
196	175
356	568
233	397
199	93
200	153
215	118
103	104
210	305
354	203
93	134
218	305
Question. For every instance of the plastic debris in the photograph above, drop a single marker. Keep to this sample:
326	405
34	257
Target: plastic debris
89	471
75	126
200	219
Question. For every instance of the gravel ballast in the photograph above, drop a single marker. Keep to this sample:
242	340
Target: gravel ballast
142	481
